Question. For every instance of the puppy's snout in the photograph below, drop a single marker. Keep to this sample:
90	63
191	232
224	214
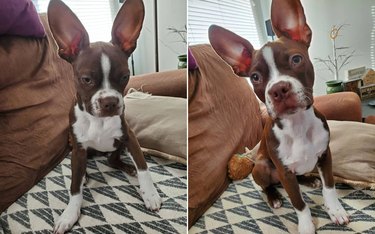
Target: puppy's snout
108	104
280	91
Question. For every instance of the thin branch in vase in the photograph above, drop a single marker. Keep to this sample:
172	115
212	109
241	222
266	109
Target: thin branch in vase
180	32
339	57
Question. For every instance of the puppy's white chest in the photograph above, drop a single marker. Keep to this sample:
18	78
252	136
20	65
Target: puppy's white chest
97	133
303	139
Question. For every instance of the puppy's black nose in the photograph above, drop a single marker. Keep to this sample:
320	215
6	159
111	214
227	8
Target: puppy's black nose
108	104
280	91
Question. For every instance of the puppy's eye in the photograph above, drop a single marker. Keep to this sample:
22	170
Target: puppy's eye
296	59
86	80
255	78
125	78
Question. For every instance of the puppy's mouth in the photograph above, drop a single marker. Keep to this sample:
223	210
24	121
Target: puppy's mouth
289	106
284	99
106	113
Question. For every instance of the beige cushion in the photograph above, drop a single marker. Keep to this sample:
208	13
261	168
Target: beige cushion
353	152
159	124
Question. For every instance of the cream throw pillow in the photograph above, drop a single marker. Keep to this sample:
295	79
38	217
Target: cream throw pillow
159	123
353	152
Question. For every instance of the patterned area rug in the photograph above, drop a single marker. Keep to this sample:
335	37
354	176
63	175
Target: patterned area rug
242	209
111	201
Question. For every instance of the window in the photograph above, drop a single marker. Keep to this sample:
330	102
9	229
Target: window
96	15
237	16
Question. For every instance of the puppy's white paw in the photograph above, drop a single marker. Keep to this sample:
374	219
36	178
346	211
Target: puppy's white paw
305	224
316	183
276	204
66	221
151	198
306	227
148	191
337	213
70	215
334	208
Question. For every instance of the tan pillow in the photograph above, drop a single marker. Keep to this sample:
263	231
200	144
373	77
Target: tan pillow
353	152
159	123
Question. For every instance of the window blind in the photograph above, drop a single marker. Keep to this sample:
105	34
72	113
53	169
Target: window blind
96	15
236	16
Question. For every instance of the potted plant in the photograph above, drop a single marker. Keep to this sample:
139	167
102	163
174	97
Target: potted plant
182	59
339	58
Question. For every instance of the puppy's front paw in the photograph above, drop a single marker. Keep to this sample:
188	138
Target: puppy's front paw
148	191
151	198
306	227
334	208
66	221
305	224
337	213
70	215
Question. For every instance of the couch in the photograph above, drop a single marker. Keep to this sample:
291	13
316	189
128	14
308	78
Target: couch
225	117
37	91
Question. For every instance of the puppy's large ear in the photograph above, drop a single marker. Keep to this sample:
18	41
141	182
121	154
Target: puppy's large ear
233	49
67	30
128	24
288	20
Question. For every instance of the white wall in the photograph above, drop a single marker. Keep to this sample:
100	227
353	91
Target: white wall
171	13
321	15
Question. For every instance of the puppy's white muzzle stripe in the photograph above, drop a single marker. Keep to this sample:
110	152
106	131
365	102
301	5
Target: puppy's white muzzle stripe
106	89
275	76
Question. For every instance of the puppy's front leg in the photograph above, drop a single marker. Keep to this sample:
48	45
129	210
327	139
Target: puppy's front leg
72	212
148	191
290	184
335	210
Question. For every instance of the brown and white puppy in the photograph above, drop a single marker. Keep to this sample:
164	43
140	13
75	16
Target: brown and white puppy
97	117
296	136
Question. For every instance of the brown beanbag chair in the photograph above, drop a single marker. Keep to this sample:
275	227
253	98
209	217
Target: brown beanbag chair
36	90
218	127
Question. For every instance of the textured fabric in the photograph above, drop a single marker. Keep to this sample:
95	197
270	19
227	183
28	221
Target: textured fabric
168	83
111	201
36	94
243	209
159	124
19	18
224	118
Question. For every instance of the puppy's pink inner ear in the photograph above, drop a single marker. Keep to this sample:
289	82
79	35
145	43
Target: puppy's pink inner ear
288	20
245	60
302	34
69	51
125	41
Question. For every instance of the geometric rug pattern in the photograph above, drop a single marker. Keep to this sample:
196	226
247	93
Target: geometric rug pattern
242	208
111	202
